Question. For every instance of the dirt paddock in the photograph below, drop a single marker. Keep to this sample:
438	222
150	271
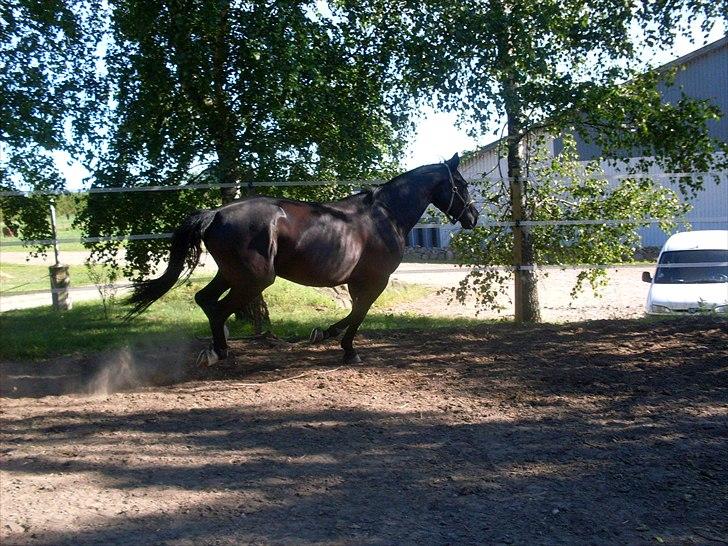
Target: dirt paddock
604	432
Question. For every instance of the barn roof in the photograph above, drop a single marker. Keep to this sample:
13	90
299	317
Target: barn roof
706	50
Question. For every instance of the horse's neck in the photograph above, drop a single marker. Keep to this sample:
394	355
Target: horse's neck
406	199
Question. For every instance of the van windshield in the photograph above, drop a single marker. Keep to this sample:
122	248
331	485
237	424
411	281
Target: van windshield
702	266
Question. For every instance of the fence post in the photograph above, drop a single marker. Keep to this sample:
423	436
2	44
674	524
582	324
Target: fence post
60	279
60	282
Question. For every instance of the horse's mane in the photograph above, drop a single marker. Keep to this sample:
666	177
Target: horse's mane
367	195
417	171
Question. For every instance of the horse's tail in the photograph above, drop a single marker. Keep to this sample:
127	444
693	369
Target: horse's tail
184	254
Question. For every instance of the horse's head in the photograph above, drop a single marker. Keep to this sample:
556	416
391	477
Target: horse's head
452	197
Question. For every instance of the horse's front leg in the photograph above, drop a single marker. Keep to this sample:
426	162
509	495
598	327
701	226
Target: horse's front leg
363	296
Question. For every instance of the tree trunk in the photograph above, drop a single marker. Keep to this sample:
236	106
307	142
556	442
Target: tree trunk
228	156
525	282
256	311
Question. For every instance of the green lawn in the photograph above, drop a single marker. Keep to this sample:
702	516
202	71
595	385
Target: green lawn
20	278
295	310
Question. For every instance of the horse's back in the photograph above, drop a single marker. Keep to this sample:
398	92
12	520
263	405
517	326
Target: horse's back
308	243
241	236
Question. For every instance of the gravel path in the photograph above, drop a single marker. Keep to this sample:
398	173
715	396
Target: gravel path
624	296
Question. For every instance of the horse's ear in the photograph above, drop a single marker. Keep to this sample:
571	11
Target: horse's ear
454	161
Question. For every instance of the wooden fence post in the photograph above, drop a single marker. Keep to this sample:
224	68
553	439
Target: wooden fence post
60	282
60	279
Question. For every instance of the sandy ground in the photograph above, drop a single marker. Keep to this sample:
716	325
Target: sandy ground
604	432
623	297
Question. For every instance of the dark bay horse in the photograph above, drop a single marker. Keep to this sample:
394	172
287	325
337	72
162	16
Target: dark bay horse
357	241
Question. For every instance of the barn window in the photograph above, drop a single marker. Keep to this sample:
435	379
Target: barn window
425	237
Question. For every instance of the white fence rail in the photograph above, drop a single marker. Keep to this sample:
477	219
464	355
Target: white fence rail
364	183
347	183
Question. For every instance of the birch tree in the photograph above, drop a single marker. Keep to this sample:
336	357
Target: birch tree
550	66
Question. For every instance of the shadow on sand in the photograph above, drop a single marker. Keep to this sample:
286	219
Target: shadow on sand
615	439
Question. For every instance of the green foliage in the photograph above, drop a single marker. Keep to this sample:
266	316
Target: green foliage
232	93
564	189
46	52
69	205
160	93
65	231
554	67
631	120
104	278
155	93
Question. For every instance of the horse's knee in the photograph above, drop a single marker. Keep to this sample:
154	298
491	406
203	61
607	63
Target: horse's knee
317	335
204	301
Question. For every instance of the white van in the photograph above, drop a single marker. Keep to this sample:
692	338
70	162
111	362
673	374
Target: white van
691	276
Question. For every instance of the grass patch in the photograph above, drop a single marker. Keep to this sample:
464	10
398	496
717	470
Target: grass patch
20	278
64	230
295	310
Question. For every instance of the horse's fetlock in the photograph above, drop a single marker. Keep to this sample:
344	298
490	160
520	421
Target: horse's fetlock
317	335
351	357
222	352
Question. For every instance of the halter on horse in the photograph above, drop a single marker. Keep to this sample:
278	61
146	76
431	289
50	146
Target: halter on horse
465	202
358	241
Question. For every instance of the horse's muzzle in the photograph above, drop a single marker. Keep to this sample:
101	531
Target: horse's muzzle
470	218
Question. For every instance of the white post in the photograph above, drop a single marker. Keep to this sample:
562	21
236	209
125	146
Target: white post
54	231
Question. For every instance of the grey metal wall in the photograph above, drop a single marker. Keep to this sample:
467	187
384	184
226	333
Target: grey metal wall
706	77
710	211
703	75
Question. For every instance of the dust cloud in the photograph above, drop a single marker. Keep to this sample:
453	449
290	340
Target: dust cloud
131	368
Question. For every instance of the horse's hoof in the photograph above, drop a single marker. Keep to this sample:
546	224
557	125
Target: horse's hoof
317	335
211	356
207	358
351	357
228	363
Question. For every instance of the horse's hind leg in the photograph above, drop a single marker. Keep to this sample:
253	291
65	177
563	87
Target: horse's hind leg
218	310
246	280
207	298
221	311
317	334
362	295
245	261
